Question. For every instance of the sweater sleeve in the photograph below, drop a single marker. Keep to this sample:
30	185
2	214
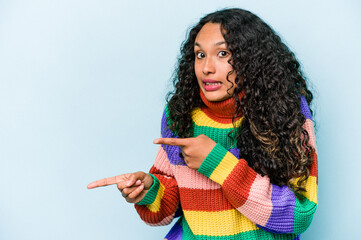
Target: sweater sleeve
271	207
161	204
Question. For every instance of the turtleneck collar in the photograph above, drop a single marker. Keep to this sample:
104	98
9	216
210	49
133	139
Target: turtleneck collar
221	111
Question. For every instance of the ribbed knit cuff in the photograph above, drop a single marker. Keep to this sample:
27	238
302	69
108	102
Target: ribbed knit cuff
152	192
218	164
212	160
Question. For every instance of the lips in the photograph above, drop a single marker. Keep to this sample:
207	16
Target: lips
211	85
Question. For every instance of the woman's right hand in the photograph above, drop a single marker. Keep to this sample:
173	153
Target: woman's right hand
133	186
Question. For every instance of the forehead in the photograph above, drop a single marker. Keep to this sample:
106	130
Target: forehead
210	32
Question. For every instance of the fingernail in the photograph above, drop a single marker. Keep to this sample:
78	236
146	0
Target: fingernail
128	183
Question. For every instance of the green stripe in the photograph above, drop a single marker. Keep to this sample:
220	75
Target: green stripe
150	196
251	235
168	120
219	135
212	160
166	110
304	210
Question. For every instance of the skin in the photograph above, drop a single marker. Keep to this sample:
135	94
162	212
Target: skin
211	62
211	56
133	186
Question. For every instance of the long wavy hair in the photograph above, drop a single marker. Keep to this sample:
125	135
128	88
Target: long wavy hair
271	138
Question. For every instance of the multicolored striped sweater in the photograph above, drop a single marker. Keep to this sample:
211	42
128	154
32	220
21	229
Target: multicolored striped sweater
224	198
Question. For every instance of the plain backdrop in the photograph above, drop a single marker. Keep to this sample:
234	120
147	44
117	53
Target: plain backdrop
82	90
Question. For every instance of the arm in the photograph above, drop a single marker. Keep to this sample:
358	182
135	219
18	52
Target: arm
271	207
160	204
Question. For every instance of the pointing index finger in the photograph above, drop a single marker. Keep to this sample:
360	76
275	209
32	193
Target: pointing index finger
172	141
104	182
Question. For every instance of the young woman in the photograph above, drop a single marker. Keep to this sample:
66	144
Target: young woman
238	157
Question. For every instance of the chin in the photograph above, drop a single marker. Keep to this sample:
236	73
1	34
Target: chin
213	97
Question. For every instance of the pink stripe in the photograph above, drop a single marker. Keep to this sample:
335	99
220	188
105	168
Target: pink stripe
165	221
308	126
162	162
258	207
190	178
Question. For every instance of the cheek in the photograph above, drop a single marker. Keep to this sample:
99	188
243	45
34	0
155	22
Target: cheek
198	73
196	69
231	77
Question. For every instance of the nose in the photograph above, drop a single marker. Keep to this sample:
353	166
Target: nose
209	66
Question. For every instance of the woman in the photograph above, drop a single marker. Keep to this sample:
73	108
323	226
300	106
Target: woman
238	156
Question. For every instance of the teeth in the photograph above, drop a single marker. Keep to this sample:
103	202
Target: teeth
208	84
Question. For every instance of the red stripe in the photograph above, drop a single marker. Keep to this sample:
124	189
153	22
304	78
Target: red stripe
204	199
314	166
238	183
313	169
156	217
169	202
215	118
155	170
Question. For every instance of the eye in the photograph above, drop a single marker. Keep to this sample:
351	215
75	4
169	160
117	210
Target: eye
200	55
223	54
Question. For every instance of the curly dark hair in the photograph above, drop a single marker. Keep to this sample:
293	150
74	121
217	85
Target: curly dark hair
271	137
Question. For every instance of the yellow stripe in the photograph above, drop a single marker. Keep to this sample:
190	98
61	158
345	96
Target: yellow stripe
220	223
202	120
311	187
224	168
155	206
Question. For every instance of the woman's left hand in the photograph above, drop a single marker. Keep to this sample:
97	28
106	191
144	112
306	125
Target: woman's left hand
194	150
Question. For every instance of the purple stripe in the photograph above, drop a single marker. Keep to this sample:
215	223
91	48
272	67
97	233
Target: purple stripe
176	232
173	155
305	110
172	151
282	216
165	131
235	152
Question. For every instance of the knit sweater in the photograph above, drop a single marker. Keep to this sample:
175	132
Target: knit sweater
224	198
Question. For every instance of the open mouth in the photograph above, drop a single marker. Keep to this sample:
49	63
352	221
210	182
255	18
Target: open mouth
212	83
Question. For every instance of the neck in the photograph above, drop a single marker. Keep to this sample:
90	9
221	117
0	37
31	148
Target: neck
222	111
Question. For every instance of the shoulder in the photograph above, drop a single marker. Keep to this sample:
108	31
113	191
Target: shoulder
167	122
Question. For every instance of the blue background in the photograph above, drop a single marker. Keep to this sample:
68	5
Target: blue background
82	88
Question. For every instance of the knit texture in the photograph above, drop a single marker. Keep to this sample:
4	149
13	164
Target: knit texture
224	198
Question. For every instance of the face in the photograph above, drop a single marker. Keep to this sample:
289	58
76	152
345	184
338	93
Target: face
211	63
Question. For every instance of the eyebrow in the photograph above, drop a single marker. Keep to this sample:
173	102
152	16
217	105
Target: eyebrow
216	44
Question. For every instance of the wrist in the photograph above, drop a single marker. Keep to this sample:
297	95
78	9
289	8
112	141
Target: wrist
152	192
149	181
218	164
